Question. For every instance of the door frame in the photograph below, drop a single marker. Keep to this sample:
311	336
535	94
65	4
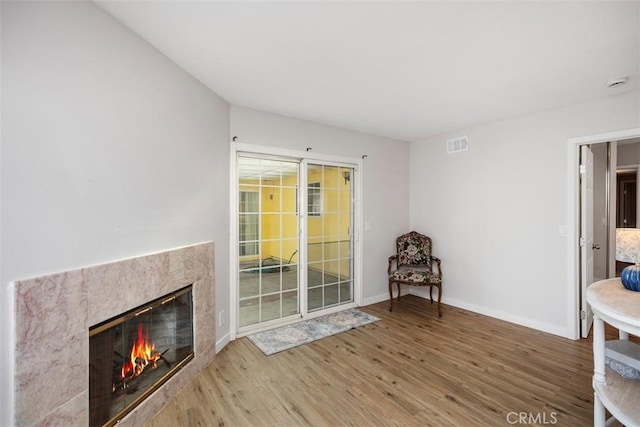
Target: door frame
267	151
573	219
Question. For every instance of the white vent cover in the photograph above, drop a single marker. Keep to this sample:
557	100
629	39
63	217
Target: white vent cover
457	145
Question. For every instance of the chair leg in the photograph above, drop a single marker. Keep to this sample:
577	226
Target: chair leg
431	293
390	295
439	298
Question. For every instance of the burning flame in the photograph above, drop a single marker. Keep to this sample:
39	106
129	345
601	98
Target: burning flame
142	354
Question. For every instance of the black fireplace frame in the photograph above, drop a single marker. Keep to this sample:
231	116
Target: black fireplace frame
131	314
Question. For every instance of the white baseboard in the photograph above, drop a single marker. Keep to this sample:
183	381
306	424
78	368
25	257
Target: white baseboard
222	342
375	299
508	317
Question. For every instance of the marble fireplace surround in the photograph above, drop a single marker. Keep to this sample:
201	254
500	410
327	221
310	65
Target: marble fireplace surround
53	315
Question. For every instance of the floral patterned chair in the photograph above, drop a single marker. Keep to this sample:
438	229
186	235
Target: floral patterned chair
414	266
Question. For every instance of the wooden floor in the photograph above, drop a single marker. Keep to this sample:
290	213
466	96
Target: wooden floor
411	368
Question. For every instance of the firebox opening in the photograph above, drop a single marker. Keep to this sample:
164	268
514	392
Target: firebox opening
133	354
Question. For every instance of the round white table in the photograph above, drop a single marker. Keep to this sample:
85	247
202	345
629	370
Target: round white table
620	308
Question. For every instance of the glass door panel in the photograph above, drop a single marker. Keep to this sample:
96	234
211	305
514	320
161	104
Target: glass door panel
248	220
330	240
268	283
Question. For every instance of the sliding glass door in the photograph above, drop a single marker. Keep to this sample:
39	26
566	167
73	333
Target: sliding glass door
295	242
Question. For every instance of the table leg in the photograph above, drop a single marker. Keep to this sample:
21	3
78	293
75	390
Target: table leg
598	349
599	415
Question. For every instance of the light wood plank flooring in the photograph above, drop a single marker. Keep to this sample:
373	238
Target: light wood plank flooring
411	368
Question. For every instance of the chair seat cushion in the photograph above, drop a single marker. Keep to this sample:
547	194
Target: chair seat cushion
415	276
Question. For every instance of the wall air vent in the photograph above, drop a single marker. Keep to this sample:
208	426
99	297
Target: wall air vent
457	145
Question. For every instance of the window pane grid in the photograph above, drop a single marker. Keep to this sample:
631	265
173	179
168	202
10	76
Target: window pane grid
268	282
314	199
329	248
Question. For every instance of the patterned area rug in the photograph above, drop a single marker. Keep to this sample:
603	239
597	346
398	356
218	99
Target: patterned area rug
290	336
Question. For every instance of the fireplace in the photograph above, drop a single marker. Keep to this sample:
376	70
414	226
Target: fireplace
55	313
133	354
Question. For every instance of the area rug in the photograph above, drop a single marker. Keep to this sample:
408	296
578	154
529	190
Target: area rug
290	336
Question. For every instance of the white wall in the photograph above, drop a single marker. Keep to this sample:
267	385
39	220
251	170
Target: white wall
386	178
495	211
109	151
628	154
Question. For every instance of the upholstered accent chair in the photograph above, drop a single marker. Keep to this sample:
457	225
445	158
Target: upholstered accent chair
414	266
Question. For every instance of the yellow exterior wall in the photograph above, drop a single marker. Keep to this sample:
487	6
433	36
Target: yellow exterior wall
279	220
328	234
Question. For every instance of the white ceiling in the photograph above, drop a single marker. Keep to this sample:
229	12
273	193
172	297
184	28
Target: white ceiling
406	70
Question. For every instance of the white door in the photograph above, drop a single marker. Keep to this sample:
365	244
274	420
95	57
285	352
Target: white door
586	236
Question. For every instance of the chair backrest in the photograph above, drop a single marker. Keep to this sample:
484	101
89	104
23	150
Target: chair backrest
414	249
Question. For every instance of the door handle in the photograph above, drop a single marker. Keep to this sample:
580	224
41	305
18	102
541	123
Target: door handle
595	246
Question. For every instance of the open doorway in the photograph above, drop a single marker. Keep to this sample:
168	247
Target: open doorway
611	152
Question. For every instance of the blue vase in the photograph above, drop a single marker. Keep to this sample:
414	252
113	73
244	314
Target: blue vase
631	277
